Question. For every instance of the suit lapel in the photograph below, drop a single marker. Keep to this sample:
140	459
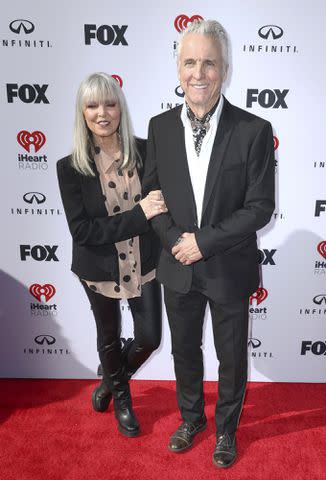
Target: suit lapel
221	142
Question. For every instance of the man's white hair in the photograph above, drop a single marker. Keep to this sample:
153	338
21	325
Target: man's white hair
213	29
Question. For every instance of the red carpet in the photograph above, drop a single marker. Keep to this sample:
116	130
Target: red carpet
49	431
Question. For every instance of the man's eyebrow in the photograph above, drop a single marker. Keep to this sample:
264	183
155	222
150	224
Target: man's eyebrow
207	59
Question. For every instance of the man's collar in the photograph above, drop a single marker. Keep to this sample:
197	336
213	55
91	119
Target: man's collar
214	118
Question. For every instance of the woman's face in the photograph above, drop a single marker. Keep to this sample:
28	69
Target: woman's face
102	118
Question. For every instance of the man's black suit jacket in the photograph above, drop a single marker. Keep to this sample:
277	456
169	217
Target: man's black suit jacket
94	233
238	201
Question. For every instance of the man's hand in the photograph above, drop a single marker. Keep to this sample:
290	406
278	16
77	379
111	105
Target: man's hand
186	250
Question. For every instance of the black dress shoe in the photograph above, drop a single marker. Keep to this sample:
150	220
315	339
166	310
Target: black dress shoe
225	452
184	435
101	398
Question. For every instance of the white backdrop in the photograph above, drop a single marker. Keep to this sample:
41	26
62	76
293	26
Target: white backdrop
277	72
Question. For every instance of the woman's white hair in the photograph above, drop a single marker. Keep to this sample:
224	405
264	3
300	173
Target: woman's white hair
101	87
212	28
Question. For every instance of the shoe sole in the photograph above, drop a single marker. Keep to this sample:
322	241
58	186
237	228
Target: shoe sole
128	433
100	405
188	446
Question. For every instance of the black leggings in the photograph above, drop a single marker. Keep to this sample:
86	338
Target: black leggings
147	317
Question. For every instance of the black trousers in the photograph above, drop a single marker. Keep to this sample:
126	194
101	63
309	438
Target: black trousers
147	317
230	328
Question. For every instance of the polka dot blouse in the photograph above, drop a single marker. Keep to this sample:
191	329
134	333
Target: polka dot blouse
122	191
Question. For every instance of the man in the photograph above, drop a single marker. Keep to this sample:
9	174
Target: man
215	165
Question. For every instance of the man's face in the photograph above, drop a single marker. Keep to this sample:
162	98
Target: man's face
201	72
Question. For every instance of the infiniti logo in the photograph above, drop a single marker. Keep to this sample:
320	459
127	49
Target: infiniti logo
178	91
254	342
319	299
17	26
270	31
34	197
41	339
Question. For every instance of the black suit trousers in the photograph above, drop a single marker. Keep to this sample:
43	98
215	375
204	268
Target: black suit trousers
230	328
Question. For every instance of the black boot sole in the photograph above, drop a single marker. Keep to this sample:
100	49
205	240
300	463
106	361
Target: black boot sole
100	404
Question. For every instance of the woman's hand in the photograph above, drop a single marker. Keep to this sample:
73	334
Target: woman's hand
153	204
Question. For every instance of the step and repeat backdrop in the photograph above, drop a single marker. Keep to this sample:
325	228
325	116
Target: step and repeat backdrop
277	72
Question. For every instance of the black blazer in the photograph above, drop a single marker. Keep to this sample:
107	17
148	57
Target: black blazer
238	201
94	233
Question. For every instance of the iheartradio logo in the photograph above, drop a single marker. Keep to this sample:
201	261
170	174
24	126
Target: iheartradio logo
181	22
321	248
276	142
26	139
258	297
118	79
38	291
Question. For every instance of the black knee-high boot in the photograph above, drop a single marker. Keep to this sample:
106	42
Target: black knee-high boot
101	396
128	424
116	384
124	354
110	357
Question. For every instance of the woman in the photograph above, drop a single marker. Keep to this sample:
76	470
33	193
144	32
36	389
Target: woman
114	250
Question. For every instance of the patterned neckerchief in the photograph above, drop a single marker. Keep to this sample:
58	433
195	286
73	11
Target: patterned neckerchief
200	126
